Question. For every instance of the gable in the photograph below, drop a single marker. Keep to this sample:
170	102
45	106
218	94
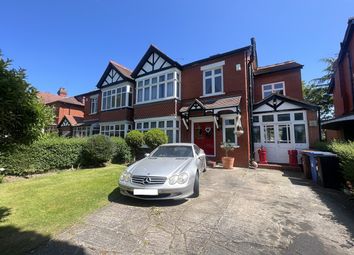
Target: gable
112	77
64	123
153	61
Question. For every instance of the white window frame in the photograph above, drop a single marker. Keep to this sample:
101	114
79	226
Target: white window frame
127	127
224	126
175	81
81	131
176	126
113	89
212	67
94	101
273	89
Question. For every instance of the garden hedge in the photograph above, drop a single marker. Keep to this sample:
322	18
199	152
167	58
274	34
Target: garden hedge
43	155
122	152
155	137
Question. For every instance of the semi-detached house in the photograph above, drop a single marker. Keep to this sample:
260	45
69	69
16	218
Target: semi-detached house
222	98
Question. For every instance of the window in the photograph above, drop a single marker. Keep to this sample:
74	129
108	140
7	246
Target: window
196	149
93	104
284	134
158	87
255	118
300	133
117	98
169	126
284	117
256	134
213	81
278	87
269	134
81	131
298	116
229	131
268	118
115	129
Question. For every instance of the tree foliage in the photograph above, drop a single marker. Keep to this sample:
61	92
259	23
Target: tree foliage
23	116
155	137
316	91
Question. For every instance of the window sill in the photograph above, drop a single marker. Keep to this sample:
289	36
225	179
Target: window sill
156	101
211	95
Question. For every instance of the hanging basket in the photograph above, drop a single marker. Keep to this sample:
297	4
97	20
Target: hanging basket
239	132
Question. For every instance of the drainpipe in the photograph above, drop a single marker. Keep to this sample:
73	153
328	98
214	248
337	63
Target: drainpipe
250	95
319	123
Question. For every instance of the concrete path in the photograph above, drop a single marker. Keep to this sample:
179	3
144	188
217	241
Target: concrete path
239	211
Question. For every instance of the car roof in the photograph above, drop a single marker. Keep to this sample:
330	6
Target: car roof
178	144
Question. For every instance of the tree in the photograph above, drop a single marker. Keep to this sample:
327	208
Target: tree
155	137
316	91
23	116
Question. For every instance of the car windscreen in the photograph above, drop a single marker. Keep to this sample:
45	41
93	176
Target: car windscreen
173	152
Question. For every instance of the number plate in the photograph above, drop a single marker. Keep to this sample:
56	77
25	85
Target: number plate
148	192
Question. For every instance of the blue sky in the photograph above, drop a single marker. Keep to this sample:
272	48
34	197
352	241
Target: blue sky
69	43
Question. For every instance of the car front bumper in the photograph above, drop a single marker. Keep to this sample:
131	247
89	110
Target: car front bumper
164	191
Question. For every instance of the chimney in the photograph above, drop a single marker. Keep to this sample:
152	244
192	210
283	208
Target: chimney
254	52
62	92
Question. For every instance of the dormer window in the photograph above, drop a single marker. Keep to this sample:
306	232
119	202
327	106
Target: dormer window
273	88
213	83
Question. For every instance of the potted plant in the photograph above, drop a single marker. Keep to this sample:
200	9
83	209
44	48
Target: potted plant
227	162
239	131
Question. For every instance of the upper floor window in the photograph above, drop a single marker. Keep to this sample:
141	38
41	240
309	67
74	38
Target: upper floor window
117	98
158	87
271	88
93	104
213	79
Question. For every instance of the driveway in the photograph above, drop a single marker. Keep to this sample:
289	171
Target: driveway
239	211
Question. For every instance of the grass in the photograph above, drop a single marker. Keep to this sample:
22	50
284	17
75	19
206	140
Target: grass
33	210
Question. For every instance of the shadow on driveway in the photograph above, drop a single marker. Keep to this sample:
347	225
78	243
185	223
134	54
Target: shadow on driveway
116	197
341	207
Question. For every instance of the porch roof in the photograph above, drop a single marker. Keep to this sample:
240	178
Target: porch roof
73	120
212	103
339	122
273	97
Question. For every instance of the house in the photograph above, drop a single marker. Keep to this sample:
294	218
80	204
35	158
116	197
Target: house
342	88
224	98
64	106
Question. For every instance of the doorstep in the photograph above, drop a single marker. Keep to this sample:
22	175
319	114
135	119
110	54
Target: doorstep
281	167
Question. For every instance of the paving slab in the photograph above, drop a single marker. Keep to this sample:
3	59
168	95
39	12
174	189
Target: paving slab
239	211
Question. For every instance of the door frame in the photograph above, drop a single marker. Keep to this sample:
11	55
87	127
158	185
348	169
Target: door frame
199	120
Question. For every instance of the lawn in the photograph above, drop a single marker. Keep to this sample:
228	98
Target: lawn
33	210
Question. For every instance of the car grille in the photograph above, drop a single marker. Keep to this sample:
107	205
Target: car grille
148	180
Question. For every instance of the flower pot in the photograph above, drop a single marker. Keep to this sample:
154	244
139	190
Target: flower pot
239	133
228	162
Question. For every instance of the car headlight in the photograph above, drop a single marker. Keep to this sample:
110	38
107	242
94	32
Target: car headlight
126	176
180	179
173	179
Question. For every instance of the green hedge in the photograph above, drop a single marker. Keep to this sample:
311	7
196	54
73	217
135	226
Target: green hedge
155	137
97	150
43	155
345	152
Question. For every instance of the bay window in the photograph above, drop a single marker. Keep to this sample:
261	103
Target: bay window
115	129
117	97
158	87
171	126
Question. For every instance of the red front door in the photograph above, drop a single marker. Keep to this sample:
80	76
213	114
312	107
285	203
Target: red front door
204	137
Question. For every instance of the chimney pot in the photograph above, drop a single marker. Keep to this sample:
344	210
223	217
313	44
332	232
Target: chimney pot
62	92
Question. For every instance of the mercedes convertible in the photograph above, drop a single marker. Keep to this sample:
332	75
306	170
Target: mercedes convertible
171	171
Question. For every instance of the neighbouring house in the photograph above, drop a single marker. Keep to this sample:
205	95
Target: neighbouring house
223	98
64	106
342	88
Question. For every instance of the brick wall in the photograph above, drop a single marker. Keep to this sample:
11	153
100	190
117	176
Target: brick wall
292	79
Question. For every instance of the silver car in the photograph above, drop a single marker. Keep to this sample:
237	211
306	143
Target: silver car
171	171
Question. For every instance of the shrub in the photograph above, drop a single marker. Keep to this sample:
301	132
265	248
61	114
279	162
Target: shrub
345	152
122	152
135	139
98	150
43	155
155	137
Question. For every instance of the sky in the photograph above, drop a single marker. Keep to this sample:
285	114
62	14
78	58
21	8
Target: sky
68	43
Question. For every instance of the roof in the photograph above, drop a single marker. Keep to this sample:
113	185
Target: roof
295	101
89	93
122	69
339	122
287	65
73	120
215	103
49	98
218	56
152	49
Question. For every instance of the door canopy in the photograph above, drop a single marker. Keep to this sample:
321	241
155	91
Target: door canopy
210	107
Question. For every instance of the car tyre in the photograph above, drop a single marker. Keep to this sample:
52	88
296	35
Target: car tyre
196	185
